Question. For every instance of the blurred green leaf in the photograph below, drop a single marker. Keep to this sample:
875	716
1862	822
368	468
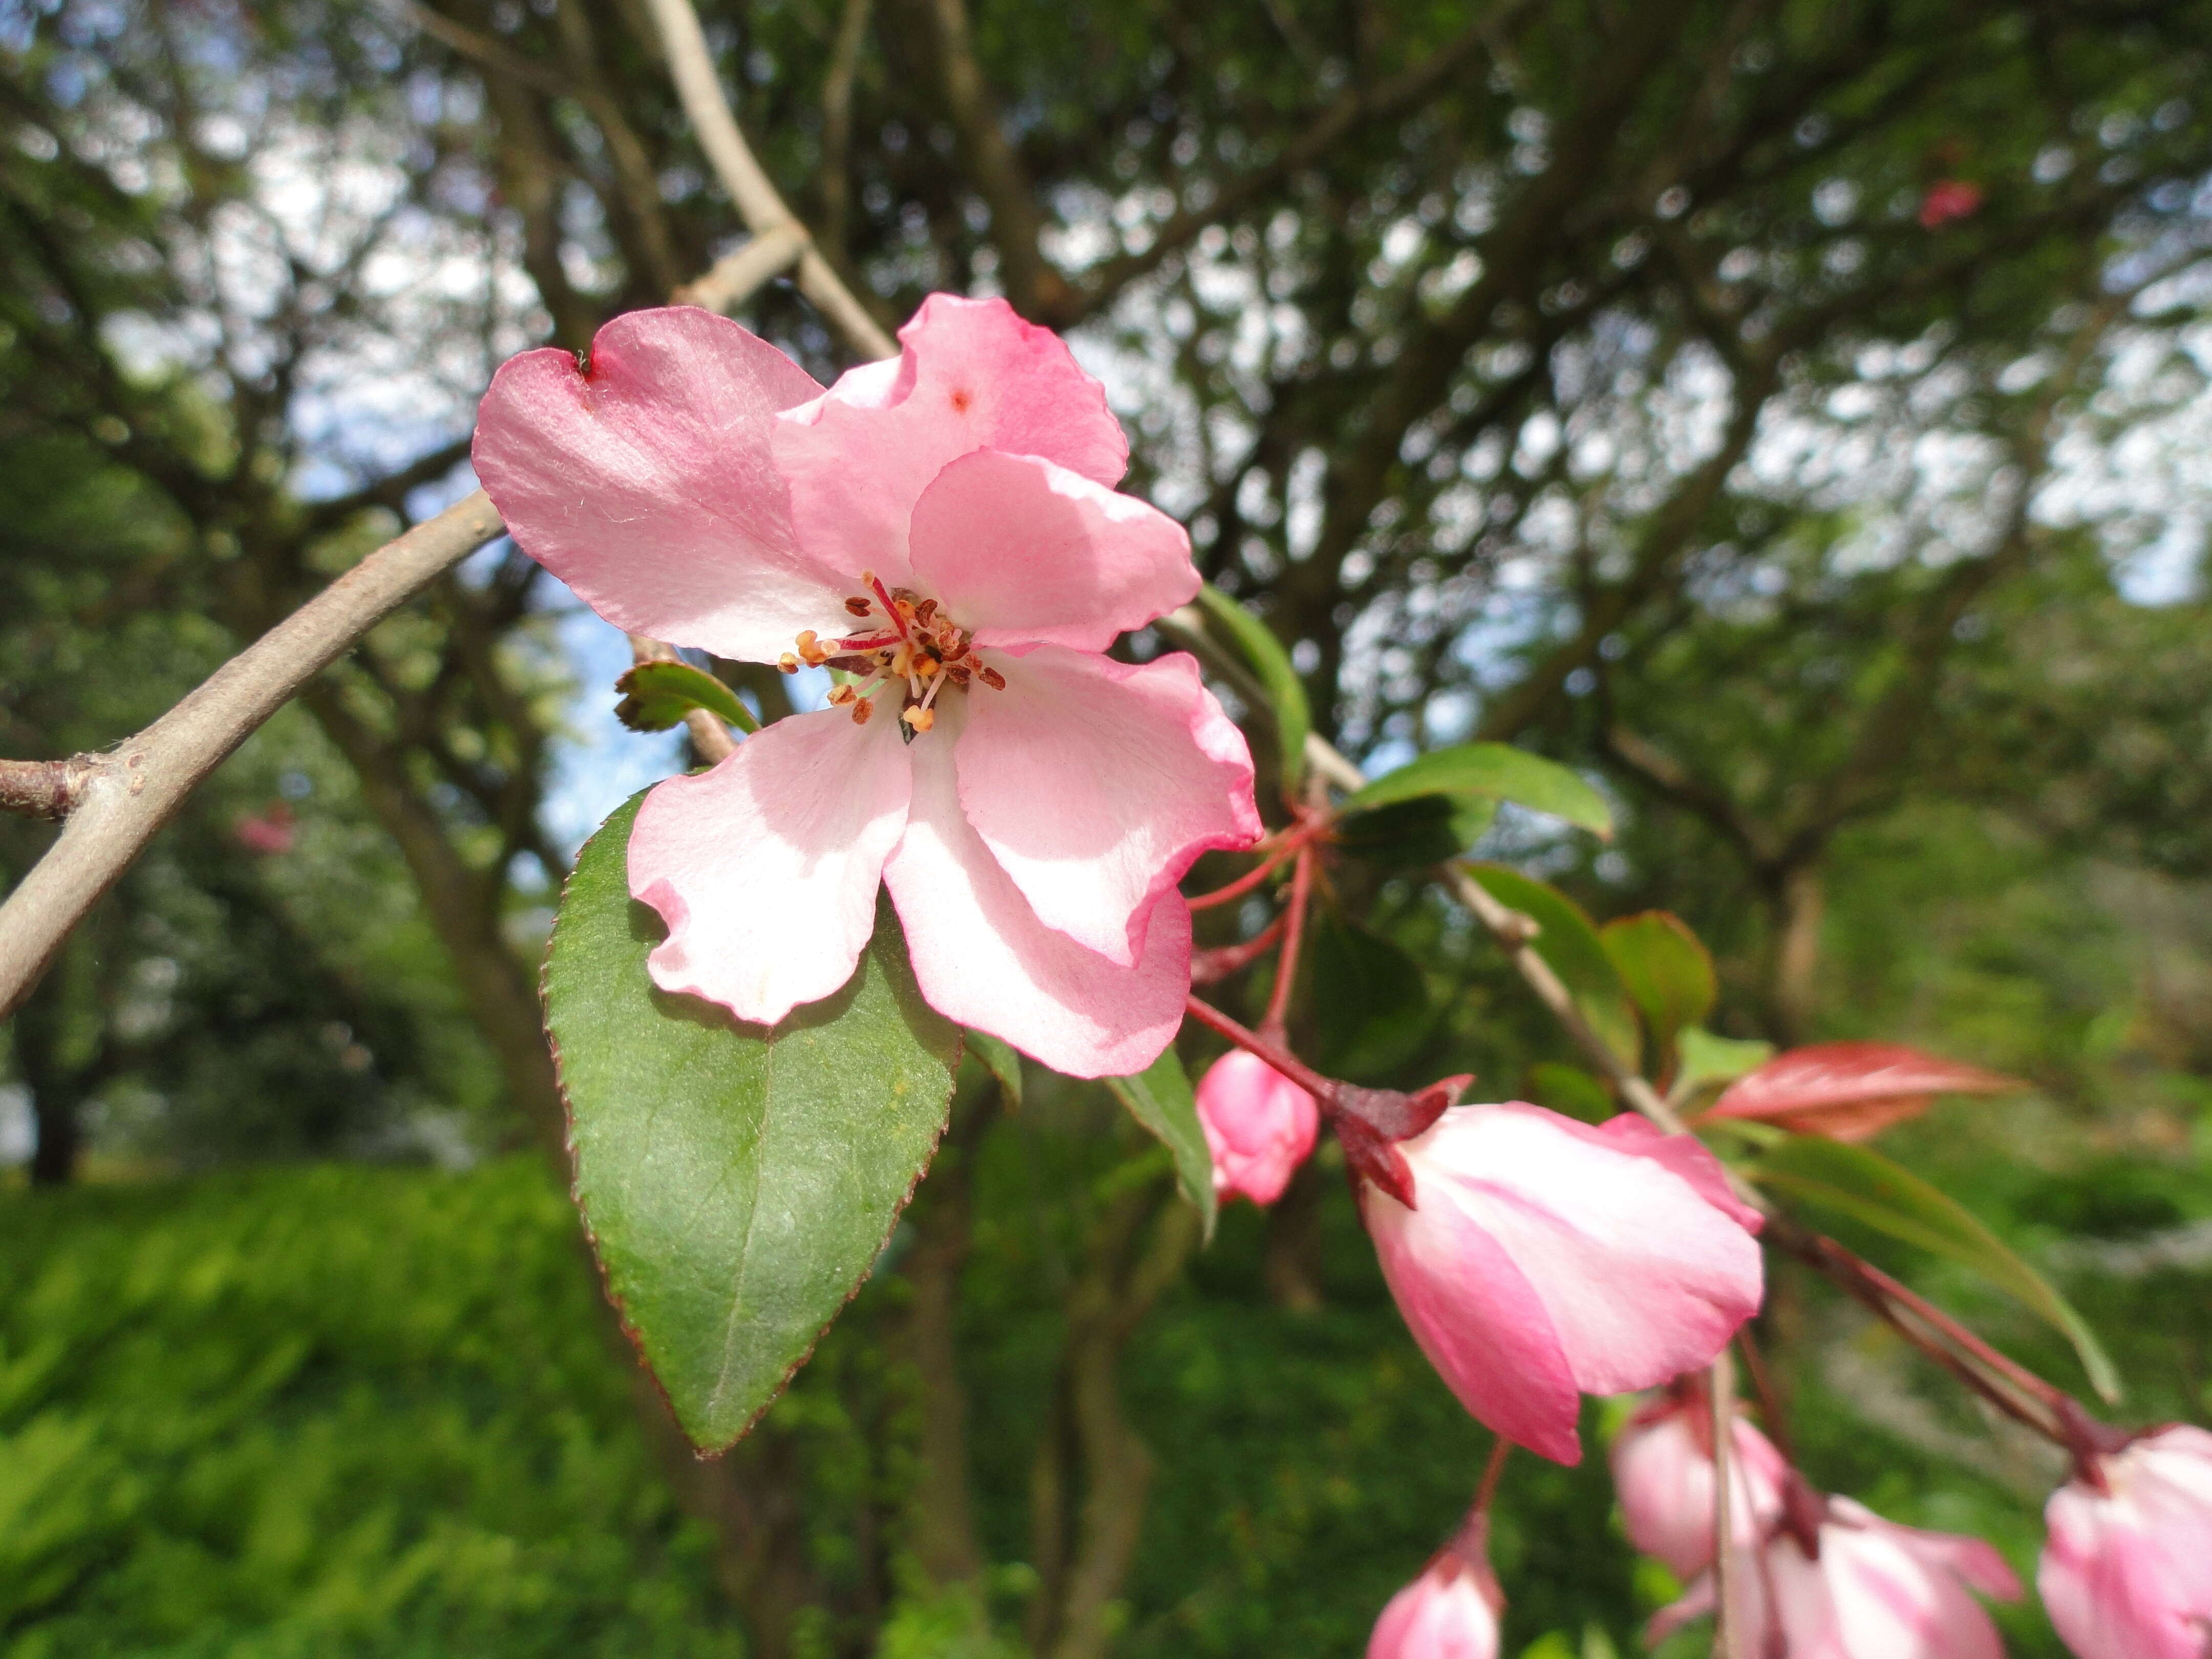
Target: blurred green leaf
1414	835
1666	972
1000	1059
658	695
1707	1059
1570	1090
1371	1001
1160	1099
1492	772
1568	943
737	1180
1859	1182
1286	692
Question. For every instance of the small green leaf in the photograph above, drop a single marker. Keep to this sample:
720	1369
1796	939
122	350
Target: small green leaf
1666	972
1160	1099
1371	1001
660	693
737	1181
1414	835
1286	691
1571	1091
1860	1183
1000	1059
1569	944
1707	1059
1492	771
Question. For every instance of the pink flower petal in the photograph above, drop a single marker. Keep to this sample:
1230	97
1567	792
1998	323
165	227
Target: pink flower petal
1096	784
2127	1573
1478	1320
1443	1614
1885	1598
983	957
1687	1156
1975	1561
1020	551
765	868
1259	1126
972	376
647	484
1642	1276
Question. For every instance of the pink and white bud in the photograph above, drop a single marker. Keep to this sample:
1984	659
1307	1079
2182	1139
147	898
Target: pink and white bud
1869	1588
1662	1469
1450	1611
1259	1125
1541	1259
2127	1573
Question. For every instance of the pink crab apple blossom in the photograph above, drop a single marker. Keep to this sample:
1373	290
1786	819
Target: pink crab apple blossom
2127	1571
1867	1588
1662	1471
1449	1611
1541	1259
940	528
1259	1125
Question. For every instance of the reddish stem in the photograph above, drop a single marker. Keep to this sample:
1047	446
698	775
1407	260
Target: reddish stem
1293	839
1762	1387
1500	1450
2001	1381
1207	966
1274	1053
1294	929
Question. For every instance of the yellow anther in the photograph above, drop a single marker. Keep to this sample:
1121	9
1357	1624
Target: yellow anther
920	718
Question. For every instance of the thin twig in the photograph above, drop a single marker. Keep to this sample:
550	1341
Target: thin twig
733	278
115	802
43	789
1722	1387
129	793
758	202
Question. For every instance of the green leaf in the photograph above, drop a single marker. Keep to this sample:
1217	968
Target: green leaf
737	1181
1571	1091
1286	691
1000	1059
1371	1001
1859	1182
1569	944
1666	972
660	693
1412	835
1707	1059
1160	1099
1492	772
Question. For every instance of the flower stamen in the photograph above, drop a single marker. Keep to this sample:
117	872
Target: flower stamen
912	639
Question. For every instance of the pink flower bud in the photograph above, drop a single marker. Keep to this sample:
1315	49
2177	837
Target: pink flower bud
1450	1611
1259	1125
1868	1588
1663	1467
1947	199
2127	1573
1541	1259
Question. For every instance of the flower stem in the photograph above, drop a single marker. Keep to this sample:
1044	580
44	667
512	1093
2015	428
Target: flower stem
1293	840
1294	929
1274	1053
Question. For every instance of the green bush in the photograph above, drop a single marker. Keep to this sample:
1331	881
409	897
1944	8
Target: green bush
331	1410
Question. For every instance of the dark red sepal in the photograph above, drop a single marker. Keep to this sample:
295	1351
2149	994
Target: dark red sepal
1369	1122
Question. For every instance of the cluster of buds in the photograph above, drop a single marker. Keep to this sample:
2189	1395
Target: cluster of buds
2126	1573
912	643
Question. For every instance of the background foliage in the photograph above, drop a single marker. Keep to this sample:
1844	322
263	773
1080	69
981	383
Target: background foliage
1790	416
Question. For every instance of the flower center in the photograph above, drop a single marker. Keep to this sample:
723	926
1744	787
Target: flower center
904	641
